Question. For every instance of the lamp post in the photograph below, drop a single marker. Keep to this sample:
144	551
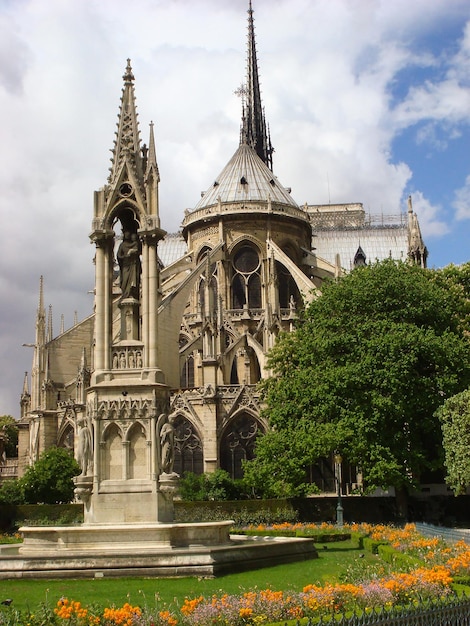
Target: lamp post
339	505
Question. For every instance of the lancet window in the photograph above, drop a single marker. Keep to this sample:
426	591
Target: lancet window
238	444
246	281
288	290
188	447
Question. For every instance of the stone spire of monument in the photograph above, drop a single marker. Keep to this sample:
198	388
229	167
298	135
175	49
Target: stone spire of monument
253	129
152	176
152	166
127	149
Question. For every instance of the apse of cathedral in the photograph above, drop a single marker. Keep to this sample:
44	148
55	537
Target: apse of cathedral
183	322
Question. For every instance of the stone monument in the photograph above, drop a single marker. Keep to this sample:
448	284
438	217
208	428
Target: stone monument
124	441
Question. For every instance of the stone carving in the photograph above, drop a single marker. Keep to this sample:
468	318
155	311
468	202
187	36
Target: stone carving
128	257
166	434
84	453
125	359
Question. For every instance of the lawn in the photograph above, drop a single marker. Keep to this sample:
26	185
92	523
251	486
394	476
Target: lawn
333	564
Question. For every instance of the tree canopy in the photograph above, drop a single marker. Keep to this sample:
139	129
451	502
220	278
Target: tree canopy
9	427
454	415
50	479
363	373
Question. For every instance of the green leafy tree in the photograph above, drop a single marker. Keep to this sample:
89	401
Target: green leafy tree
11	492
50	479
363	373
9	427
454	415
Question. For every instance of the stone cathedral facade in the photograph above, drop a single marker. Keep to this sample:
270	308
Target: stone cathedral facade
183	322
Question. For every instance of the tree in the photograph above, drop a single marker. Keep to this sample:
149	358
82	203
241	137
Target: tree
454	416
11	492
50	479
363	373
9	427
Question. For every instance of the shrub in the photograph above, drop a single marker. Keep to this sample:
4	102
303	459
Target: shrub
215	485
12	492
50	479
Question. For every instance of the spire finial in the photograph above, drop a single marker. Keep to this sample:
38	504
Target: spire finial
253	128
127	142
128	76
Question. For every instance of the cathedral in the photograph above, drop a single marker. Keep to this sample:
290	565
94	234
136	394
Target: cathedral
182	322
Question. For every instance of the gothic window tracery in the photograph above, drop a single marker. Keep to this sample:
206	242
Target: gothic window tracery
238	444
246	281
188	447
67	437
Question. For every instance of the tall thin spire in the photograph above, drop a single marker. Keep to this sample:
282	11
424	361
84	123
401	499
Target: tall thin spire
127	142
152	177
253	130
151	164
50	333
25	385
41	316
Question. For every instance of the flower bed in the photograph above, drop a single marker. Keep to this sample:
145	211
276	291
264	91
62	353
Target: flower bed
426	572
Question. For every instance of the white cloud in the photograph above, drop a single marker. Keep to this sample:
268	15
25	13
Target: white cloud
329	72
430	218
462	201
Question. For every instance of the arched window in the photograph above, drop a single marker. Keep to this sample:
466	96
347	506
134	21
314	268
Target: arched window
67	438
246	281
287	287
234	380
238	444
188	448
187	373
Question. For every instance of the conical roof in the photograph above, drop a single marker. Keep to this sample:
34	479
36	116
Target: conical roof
245	178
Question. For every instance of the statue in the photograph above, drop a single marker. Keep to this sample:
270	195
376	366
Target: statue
128	257
84	454
167	447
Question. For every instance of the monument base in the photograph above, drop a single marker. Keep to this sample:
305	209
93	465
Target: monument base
150	550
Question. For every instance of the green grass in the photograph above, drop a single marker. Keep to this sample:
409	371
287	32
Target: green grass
332	565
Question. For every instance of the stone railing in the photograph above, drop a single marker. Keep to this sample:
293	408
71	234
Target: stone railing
232	208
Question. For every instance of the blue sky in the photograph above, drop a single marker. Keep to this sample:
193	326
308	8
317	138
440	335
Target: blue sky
367	101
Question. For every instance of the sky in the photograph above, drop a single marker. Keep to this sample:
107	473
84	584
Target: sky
367	101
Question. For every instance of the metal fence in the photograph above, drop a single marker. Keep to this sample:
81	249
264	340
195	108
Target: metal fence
453	612
449	534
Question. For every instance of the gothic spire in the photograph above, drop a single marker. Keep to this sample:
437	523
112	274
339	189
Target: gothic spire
25	385
41	316
50	334
253	130
127	142
151	164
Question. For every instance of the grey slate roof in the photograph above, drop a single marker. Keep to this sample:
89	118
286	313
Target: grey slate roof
171	248
245	178
377	242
